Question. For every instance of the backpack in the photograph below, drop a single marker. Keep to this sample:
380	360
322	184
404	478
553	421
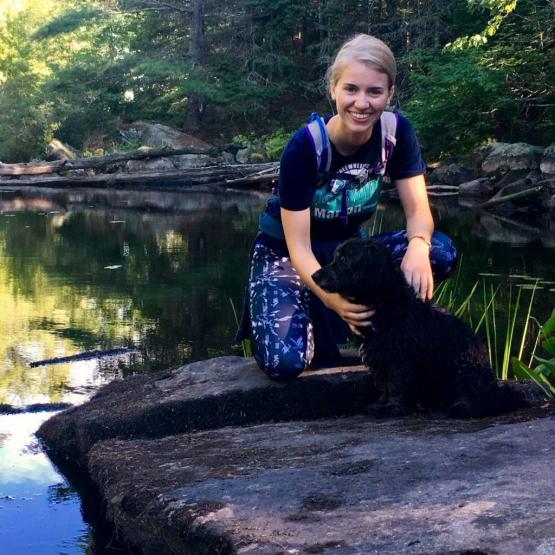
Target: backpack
270	222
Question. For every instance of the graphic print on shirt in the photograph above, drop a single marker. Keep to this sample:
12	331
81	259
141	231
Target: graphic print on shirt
361	192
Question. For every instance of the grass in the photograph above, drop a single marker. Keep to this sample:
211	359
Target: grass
245	344
511	332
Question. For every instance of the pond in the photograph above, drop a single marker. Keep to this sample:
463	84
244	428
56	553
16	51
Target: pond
156	273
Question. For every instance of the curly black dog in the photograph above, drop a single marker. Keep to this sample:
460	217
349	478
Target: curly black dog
420	357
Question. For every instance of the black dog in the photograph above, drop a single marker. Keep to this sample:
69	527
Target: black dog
419	356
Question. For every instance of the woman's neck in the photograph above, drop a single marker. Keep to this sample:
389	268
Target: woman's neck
346	142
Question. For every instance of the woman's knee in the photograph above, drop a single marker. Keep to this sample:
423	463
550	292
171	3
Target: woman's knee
443	256
282	367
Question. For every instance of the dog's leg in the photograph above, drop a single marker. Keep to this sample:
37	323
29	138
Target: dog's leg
394	387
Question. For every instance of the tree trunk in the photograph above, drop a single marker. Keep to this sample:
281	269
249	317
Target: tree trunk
195	103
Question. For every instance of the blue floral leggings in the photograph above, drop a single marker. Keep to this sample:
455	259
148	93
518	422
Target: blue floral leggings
290	327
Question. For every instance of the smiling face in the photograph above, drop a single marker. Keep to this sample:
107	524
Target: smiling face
361	94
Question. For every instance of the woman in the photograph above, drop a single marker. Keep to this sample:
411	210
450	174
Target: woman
294	323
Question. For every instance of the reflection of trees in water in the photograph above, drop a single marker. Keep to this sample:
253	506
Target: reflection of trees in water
170	295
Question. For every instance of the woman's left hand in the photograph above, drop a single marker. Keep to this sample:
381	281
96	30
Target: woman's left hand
417	268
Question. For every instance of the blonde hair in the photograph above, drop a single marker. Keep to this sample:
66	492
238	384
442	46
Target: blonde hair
366	49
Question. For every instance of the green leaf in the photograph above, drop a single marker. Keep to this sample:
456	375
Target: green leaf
548	364
520	370
523	372
549	345
549	327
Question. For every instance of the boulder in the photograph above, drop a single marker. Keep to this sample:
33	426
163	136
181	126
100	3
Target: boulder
477	188
154	165
547	164
243	155
453	174
509	156
186	161
56	150
335	486
158	135
250	155
202	395
510	177
215	458
228	158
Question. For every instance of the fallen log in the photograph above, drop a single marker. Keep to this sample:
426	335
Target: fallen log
522	191
97	162
442	190
496	200
221	176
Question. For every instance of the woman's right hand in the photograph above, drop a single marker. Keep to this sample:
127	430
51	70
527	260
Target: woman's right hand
356	315
296	225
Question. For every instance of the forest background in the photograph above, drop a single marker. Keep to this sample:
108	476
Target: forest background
470	71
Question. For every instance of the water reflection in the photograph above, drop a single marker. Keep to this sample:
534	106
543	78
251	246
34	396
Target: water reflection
83	276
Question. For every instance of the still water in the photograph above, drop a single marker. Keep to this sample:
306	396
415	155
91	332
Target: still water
155	272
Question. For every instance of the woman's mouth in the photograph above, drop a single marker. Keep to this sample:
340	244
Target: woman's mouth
360	116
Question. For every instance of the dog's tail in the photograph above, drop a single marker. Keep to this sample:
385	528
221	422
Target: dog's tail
515	394
499	397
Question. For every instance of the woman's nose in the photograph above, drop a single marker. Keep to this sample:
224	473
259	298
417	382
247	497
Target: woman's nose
362	101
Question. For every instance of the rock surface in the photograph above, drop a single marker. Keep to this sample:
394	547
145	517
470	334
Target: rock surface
453	174
56	150
481	187
214	458
158	135
510	156
547	164
341	486
202	395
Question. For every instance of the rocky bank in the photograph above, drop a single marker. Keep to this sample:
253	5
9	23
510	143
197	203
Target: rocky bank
214	458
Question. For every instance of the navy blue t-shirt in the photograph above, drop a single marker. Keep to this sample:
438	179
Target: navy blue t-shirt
298	176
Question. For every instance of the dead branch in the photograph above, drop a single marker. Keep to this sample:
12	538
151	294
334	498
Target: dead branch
495	200
214	176
97	162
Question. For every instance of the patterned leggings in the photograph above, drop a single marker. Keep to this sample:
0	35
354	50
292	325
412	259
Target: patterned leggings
290	327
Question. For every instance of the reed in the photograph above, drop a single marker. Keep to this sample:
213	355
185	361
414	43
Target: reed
504	323
245	344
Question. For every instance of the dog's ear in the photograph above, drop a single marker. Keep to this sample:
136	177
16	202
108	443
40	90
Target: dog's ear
325	278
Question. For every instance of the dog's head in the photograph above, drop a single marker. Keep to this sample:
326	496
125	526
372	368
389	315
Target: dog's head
363	271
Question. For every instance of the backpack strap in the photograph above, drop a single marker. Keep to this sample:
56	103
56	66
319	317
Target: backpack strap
388	122
318	134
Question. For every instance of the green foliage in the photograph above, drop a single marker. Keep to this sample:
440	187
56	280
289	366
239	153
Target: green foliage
67	22
458	102
494	83
470	71
270	145
499	10
544	372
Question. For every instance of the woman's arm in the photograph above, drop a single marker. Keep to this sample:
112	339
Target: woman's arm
296	225
420	227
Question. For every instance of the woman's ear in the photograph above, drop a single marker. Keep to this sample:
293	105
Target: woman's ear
391	94
331	93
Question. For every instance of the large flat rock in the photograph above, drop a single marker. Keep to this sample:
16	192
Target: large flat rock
199	396
342	486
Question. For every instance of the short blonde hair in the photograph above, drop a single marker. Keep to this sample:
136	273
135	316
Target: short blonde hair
366	49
